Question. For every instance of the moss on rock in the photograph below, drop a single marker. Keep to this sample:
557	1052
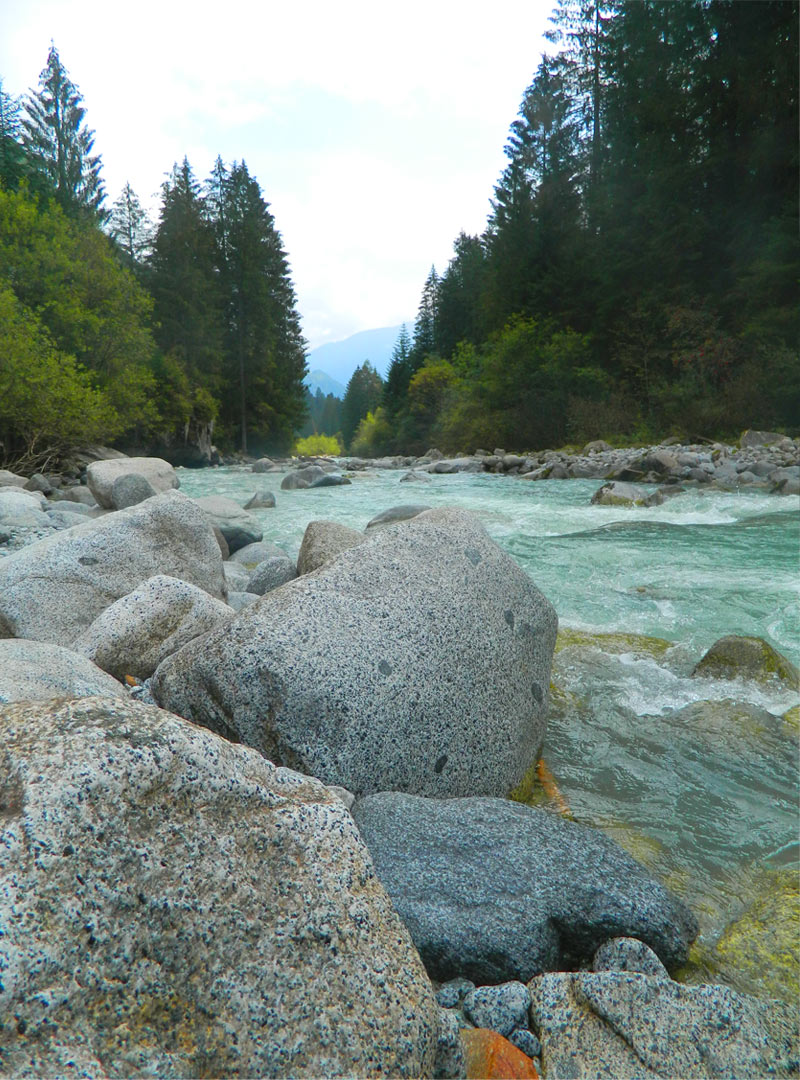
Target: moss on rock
615	643
735	657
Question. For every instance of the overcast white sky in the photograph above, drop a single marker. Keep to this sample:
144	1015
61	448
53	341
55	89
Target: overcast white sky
376	131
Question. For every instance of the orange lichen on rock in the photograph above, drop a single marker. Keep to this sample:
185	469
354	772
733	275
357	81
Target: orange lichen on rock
491	1057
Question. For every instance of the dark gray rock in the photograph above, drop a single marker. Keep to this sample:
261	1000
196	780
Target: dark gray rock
496	890
38	482
759	438
261	500
619	493
415	478
271	574
396	513
130	489
500	1008
298	479
735	657
330	480
80	494
264	464
251	555
626	1025
175	906
386	668
628	954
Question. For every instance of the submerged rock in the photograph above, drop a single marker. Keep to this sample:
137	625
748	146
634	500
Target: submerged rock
387	667
735	657
619	493
174	905
629	1025
497	891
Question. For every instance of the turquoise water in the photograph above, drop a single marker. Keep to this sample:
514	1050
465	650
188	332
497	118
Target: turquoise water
711	805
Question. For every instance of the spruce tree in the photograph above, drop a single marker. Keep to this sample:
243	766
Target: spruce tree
363	395
55	135
398	376
131	228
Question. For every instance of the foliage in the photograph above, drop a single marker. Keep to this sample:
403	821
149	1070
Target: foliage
363	395
318	445
372	436
131	228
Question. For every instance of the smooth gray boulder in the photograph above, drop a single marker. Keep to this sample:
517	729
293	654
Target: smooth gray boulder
260	500
37	671
38	482
236	575
330	480
137	632
620	493
11	479
271	574
412	477
495	890
264	464
304	477
237	526
80	494
419	661
630	1025
628	954
404	512
15	502
130	489
324	541
175	906
750	439
239	599
251	555
54	589
100	476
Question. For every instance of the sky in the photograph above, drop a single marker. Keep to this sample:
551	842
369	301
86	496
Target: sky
375	130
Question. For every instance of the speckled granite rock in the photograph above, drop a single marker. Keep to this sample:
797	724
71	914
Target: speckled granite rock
404	512
134	634
174	906
625	1025
386	668
501	1008
251	555
130	489
237	526
100	476
54	589
38	671
271	574
15	501
450	1063
628	954
494	890
324	541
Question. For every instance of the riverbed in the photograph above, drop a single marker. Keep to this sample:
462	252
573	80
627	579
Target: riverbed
707	798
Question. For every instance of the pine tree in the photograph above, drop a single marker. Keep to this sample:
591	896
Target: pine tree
12	156
131	228
399	375
264	346
55	135
425	323
459	315
363	395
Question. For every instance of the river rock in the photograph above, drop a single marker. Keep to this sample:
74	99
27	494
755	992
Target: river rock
260	500
387	667
237	526
38	482
251	555
396	513
501	1008
330	480
413	477
271	574
629	1025
236	575
619	493
324	541
100	476
130	489
751	438
134	634
735	657
54	589
628	954
15	502
449	1063
298	479
239	599
11	479
489	1056
37	671
497	891
174	905
264	464
80	494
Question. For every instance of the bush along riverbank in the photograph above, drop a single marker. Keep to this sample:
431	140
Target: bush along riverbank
256	814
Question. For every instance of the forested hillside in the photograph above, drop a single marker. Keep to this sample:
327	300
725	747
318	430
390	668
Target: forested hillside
637	276
157	336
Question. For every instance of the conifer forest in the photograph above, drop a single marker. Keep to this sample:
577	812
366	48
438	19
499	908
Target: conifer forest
636	277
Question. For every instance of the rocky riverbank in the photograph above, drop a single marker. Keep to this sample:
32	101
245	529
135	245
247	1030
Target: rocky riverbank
294	854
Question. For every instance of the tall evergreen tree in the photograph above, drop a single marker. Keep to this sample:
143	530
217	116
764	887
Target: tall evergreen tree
131	228
459	315
12	156
399	374
57	138
424	343
264	346
363	395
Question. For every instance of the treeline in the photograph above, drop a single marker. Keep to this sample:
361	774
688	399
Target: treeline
637	276
114	329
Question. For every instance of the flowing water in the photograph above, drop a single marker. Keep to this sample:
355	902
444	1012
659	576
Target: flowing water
708	797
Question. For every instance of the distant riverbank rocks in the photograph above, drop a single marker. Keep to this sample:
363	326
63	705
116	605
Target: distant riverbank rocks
385	668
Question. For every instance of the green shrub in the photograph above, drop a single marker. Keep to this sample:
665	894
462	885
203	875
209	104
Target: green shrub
317	445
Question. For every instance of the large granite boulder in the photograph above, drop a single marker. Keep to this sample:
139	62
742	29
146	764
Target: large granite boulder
630	1025
271	574
174	905
11	479
419	661
130	489
100	476
54	589
38	671
324	541
134	634
494	890
395	514
15	502
237	526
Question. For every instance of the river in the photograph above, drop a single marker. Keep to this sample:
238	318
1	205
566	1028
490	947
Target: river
707	798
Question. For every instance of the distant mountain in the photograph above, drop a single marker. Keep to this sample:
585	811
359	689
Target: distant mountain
339	359
318	380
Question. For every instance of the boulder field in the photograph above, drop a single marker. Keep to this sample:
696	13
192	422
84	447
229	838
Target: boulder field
263	875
